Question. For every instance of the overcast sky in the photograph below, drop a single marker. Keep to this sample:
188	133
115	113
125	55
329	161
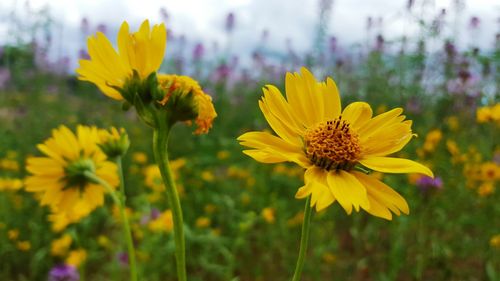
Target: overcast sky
203	20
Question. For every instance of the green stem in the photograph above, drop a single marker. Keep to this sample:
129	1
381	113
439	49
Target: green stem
303	240
126	226
160	141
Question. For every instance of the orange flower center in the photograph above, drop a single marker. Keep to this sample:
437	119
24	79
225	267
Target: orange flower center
333	145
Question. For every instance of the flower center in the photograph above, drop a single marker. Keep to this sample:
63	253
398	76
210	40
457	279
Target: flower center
332	145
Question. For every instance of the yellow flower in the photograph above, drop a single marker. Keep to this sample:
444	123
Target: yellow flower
113	142
60	175
141	51
13	234
60	220
268	214
495	241
202	222
163	223
24	245
210	208
483	114
432	139
76	257
336	148
485	189
198	105
490	171
223	154
140	157
453	123
59	247
208	176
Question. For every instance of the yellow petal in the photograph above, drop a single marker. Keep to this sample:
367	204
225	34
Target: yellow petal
395	165
385	197
347	190
357	113
331	99
273	145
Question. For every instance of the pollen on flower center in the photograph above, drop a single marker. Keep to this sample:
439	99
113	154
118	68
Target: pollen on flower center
332	145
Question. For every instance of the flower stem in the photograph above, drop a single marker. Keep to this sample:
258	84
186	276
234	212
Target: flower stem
120	202
160	141
126	225
303	240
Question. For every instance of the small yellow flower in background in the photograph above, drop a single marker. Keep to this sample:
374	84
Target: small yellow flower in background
104	241
188	101
140	157
13	234
268	214
76	257
141	51
490	171
113	142
59	247
223	154
9	165
23	246
486	189
208	176
488	113
203	222
163	223
452	123
329	258
432	140
296	220
210	208
495	241
60	174
153	176
329	143
452	147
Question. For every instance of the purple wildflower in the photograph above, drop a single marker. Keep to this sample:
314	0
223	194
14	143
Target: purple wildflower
64	272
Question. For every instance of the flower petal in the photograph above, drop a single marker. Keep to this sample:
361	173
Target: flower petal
395	165
383	199
347	190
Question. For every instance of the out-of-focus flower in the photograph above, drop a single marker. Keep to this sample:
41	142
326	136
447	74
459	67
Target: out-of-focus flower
203	222
163	223
432	140
10	184
140	157
426	184
113	142
76	257
60	175
268	214
490	171
122	258
64	272
230	20
495	241
59	247
207	176
296	220
23	246
223	154
486	189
